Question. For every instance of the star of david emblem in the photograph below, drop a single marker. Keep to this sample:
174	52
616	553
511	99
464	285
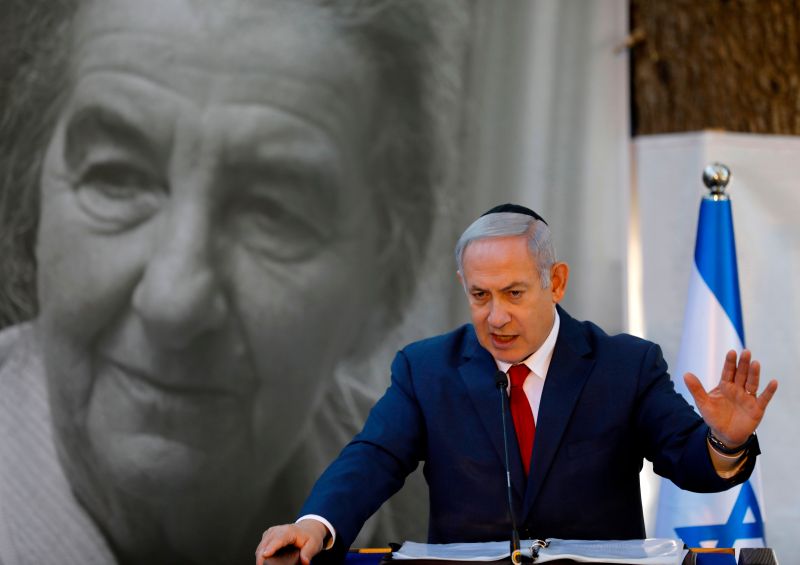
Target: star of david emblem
735	528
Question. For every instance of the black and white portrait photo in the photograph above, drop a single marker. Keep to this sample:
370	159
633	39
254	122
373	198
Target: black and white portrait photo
207	208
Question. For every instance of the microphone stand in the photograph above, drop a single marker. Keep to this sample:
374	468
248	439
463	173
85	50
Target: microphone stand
501	380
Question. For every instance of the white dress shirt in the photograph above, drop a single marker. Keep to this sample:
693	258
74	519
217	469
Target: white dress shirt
539	363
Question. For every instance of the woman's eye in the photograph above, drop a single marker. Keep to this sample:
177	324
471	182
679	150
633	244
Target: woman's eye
284	212
276	230
119	194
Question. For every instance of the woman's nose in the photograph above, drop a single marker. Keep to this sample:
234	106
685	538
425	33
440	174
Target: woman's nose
180	295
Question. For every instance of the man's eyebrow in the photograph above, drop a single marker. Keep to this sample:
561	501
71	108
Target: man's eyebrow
514	285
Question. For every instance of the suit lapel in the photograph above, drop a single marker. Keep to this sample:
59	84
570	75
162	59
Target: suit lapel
478	372
569	369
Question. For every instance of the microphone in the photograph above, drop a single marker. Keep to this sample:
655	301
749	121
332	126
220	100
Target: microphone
501	381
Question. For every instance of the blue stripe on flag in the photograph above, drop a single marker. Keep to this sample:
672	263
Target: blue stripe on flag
715	256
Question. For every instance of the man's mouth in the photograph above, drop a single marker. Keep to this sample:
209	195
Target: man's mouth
503	340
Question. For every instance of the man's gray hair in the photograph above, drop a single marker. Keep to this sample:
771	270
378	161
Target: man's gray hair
507	224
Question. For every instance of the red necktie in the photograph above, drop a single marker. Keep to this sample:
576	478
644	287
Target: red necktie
522	414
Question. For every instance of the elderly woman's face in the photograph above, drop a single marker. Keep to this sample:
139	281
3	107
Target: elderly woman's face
205	248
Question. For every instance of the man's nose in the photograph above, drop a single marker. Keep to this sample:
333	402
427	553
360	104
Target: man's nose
180	295
498	315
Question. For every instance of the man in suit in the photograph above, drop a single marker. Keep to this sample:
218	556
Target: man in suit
587	409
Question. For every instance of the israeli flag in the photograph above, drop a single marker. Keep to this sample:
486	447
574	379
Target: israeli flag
712	326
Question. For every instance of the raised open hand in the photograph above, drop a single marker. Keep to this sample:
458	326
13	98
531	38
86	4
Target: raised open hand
733	409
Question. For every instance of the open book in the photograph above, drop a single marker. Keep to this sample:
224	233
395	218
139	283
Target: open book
654	551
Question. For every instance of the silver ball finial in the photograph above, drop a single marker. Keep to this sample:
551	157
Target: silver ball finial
716	177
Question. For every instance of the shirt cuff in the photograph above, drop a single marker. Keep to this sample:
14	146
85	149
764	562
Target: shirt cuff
726	466
331	531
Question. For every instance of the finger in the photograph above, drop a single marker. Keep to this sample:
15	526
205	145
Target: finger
262	545
769	391
695	389
753	376
260	553
275	539
729	367
274	546
308	551
260	557
742	368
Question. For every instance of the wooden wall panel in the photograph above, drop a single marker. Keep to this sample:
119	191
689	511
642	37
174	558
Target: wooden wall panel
707	64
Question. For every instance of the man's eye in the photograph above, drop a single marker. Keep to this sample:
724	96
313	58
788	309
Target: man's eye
479	295
119	195
515	293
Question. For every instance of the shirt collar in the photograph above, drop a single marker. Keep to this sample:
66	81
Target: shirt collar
539	361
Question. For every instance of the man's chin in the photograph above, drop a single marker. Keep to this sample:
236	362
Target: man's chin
505	350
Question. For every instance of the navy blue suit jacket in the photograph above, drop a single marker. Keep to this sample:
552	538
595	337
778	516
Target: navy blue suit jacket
607	403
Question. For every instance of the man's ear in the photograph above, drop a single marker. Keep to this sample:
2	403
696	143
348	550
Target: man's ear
559	275
461	280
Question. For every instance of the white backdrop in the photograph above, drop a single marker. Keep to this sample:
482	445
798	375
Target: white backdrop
766	210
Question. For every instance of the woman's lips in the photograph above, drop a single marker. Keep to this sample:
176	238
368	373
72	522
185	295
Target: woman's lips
173	394
137	405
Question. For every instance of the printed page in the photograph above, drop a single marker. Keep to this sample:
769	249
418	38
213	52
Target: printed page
487	551
643	552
